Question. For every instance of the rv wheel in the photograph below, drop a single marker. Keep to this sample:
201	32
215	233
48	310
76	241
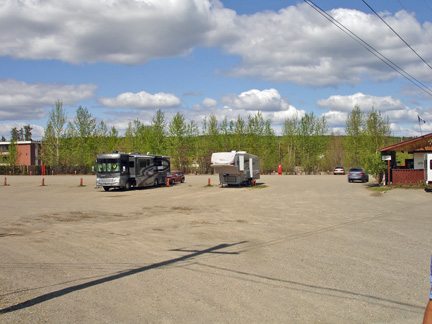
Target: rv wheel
249	182
127	186
156	182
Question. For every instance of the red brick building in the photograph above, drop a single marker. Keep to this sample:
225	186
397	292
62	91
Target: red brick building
28	153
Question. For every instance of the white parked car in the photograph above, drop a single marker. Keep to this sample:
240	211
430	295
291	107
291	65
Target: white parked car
339	170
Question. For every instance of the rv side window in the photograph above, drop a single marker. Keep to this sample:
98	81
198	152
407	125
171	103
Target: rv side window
144	163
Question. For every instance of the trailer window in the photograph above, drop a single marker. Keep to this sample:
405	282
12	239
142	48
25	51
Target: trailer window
108	165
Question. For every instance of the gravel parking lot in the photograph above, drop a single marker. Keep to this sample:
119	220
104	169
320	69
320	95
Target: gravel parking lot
295	249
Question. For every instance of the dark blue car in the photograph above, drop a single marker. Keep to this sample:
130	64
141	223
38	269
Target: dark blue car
357	174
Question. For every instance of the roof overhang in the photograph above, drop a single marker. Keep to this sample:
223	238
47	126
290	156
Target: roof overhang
417	144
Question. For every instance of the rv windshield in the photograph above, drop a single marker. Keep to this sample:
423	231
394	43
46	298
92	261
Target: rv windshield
108	165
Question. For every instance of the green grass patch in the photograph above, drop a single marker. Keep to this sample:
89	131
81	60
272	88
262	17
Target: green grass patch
379	189
261	186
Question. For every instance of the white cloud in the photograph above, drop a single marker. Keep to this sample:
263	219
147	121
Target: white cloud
141	100
336	118
21	100
116	31
295	44
5	129
402	118
263	100
365	102
298	45
209	102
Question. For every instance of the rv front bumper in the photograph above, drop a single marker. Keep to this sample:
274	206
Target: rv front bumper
106	182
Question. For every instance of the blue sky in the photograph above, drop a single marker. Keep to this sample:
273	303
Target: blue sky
125	59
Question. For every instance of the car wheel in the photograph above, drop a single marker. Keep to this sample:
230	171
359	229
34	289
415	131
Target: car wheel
106	188
182	180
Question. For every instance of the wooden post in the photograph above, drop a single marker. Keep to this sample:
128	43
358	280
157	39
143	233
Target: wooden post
388	172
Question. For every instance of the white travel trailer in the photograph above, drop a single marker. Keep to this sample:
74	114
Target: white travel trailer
428	168
236	168
123	171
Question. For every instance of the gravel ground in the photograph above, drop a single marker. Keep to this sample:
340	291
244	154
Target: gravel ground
295	249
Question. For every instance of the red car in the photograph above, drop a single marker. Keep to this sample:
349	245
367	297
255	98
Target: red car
176	176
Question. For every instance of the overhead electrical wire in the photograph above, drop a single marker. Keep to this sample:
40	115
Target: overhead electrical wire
370	48
409	46
424	30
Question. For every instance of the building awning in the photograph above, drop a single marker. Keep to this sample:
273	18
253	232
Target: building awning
418	144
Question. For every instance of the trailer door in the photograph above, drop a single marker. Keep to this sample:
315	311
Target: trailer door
241	162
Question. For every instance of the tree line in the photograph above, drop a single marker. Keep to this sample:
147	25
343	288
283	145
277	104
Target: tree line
304	144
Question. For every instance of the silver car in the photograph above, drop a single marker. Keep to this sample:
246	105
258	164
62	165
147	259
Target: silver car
357	174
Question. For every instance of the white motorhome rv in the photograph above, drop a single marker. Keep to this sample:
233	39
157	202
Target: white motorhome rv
428	168
236	168
123	171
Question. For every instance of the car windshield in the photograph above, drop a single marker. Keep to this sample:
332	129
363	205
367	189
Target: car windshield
356	170
170	173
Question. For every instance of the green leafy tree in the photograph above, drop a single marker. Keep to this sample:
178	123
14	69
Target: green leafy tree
269	148
353	141
28	133
192	142
335	153
82	140
312	141
239	134
106	139
158	133
226	134
13	156
289	143
376	136
52	147
178	142
15	134
210	142
365	135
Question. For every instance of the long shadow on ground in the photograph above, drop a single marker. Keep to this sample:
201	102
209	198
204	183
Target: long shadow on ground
68	290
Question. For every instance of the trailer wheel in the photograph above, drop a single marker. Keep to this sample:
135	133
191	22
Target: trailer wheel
156	182
106	188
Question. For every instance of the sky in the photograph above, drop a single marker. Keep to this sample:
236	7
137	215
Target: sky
125	59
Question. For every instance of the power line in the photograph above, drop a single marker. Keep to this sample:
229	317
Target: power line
421	58
370	48
424	30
